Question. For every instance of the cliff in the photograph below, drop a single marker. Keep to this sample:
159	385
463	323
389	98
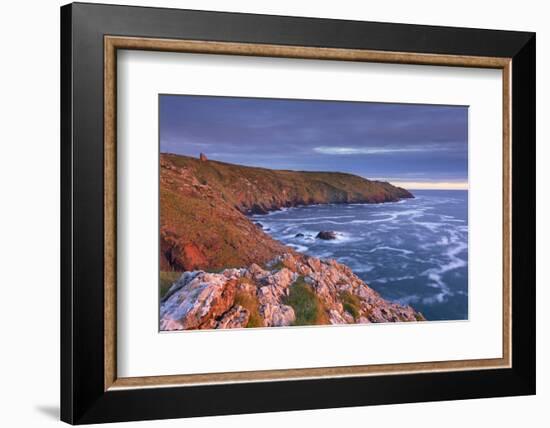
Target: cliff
260	190
203	207
293	289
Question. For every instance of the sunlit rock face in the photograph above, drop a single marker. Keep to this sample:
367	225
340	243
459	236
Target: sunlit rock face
290	290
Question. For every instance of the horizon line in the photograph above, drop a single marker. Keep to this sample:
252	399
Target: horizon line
435	185
408	185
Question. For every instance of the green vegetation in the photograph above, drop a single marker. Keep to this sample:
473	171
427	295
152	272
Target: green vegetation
167	278
351	303
306	304
217	270
250	302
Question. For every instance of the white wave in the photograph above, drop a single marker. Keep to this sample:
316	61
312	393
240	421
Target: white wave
392	216
299	248
433	227
371	221
451	239
363	269
432	244
407	300
401	213
435	275
385	247
324	254
336	217
437	298
450	218
396	240
308	223
392	279
356	265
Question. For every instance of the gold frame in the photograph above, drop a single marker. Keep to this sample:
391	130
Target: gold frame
113	43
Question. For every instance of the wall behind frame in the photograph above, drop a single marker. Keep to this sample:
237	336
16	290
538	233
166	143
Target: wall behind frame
29	226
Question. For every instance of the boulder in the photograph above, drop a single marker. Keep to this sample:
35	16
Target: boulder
277	315
275	286
326	235
255	272
280	279
199	301
314	264
184	279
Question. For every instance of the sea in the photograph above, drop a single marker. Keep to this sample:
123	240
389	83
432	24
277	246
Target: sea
414	251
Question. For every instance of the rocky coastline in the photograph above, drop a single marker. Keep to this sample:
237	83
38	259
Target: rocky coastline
204	208
225	271
292	289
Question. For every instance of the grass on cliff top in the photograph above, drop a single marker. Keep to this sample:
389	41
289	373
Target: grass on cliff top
351	303
308	308
167	278
262	183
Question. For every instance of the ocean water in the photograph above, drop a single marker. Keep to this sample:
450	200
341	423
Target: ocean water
414	251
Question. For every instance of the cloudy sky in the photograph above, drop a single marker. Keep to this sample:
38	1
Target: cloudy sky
414	146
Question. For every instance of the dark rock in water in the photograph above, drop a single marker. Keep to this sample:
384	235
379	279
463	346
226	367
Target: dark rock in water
299	235
260	225
326	235
258	209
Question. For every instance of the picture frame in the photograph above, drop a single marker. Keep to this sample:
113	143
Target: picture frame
91	36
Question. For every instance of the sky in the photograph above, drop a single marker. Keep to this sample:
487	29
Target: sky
411	145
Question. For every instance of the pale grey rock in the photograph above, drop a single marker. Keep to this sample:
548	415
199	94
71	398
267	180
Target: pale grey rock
236	317
336	317
199	300
277	315
203	298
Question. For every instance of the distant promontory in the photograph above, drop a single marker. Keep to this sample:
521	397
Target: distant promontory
204	207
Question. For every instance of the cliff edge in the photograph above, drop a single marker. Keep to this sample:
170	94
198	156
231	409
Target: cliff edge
291	290
204	203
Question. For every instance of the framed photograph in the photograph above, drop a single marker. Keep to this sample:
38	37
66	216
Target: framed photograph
291	213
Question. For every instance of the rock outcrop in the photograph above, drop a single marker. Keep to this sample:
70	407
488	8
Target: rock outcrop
327	235
292	289
204	206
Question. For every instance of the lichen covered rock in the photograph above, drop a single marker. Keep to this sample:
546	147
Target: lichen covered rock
201	300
